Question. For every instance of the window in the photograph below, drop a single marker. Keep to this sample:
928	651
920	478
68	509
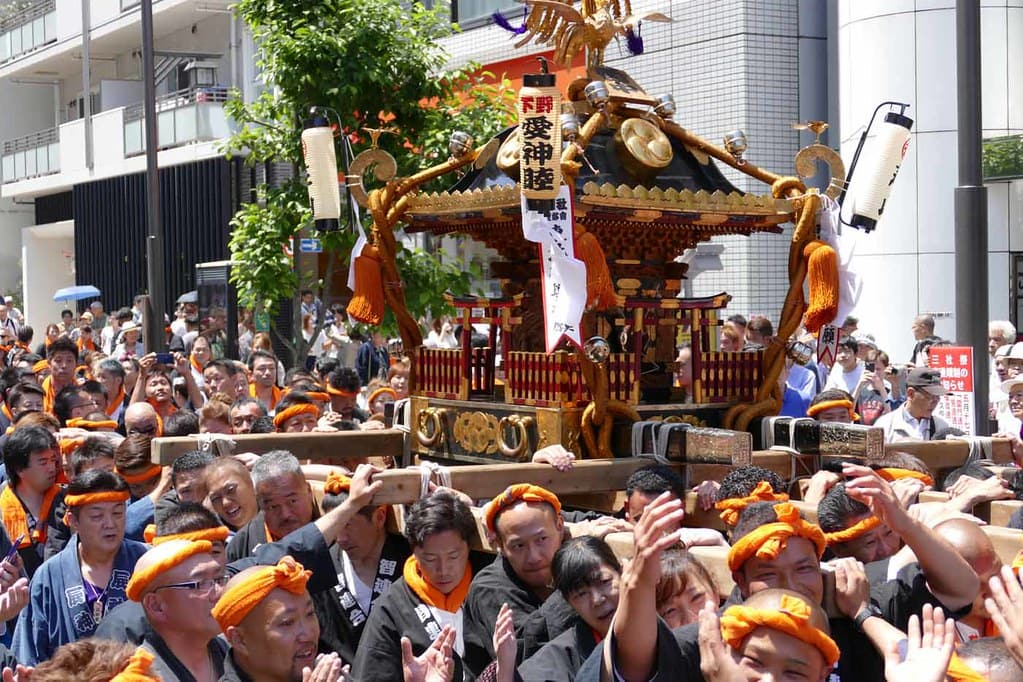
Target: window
468	13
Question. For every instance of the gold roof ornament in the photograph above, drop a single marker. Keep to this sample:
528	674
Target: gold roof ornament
592	27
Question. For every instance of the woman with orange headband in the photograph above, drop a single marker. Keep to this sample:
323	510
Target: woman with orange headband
429	596
71	593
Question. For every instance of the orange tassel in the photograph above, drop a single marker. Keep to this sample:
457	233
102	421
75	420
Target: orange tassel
600	291
367	304
822	277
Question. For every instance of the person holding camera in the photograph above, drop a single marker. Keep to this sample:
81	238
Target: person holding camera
873	394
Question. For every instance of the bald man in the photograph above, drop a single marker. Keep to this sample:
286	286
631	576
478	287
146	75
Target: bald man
990	658
273	639
177	602
973	544
140	418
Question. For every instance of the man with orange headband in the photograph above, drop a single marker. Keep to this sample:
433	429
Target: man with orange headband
267	616
28	504
744	485
429	597
526	523
296	413
864	518
285	501
343	385
71	593
776	632
177	583
832	405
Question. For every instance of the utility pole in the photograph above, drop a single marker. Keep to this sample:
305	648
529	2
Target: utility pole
971	269
156	338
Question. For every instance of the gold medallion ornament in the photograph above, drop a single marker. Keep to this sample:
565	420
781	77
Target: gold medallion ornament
509	153
643	142
477	432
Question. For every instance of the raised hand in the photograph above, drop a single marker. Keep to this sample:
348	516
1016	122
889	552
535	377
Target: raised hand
716	662
505	645
436	664
1006	608
927	654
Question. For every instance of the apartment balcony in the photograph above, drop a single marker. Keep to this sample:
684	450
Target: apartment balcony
31	156
182	117
28	30
191	123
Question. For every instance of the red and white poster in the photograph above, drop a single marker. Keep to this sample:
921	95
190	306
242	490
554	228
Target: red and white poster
956	367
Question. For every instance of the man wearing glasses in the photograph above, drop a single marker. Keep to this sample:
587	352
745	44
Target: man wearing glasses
914	419
178	582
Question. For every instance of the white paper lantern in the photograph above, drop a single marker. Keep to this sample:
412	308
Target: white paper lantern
875	174
321	166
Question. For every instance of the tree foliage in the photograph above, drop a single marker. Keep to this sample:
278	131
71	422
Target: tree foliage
372	64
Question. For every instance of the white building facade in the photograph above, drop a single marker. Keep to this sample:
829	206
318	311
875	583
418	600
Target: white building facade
62	157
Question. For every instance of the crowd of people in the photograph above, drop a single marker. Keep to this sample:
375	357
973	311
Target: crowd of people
240	567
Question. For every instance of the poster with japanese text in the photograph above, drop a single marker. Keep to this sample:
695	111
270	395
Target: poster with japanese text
955	364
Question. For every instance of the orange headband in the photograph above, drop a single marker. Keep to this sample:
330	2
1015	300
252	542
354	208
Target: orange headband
525	492
816	409
141	579
239	599
894	474
337	483
767	541
69	445
380	391
137	669
78	423
337	391
792	618
731	508
959	671
217	534
318	396
852	532
40	366
152	471
293	411
94	498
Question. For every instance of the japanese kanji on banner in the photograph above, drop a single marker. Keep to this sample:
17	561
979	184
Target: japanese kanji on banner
827	345
956	367
563	275
540	137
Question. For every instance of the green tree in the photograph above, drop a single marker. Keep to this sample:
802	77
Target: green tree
371	63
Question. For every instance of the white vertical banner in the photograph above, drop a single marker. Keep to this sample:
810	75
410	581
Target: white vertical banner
563	275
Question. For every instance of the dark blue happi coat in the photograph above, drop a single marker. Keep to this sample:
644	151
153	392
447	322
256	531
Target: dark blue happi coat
57	611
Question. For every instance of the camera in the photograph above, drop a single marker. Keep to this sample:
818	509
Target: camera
870	366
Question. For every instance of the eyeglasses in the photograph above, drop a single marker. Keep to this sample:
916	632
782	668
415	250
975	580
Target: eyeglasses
84	403
202	586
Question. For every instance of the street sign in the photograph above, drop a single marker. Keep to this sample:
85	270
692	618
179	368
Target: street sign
956	367
310	246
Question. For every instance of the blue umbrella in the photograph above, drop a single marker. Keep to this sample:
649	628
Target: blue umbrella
76	293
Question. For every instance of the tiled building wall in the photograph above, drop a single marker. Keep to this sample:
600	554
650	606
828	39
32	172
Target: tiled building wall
729	64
